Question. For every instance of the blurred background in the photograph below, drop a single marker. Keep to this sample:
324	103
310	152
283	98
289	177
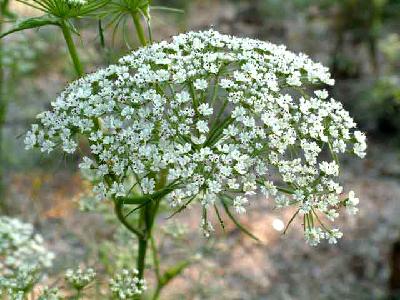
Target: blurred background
358	39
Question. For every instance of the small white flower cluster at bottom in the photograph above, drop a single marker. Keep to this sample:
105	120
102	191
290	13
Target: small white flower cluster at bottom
314	235
126	285
79	278
16	285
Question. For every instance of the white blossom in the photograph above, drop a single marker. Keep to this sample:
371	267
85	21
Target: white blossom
351	203
360	146
329	168
216	113
21	281
333	235
126	285
200	84
205	109
80	278
238	203
314	235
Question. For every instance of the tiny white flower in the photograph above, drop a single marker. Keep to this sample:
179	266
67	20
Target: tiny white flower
333	235
200	84
86	163
205	109
322	94
202	126
329	168
351	203
239	203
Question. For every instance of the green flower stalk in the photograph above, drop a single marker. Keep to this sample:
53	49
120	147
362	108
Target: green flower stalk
4	14
71	48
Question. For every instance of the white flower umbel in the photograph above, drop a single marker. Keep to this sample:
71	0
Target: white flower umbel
20	282
21	247
126	285
79	279
351	203
222	116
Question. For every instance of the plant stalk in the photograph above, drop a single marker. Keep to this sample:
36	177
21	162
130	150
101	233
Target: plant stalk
141	259
120	215
157	292
71	48
3	108
148	216
156	260
139	29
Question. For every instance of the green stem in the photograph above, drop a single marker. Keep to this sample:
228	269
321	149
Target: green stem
139	28
141	259
3	109
193	95
71	48
156	260
120	215
157	292
215	91
148	214
78	294
143	230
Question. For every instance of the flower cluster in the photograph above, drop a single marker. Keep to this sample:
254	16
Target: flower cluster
21	247
222	116
126	285
78	279
50	294
18	284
